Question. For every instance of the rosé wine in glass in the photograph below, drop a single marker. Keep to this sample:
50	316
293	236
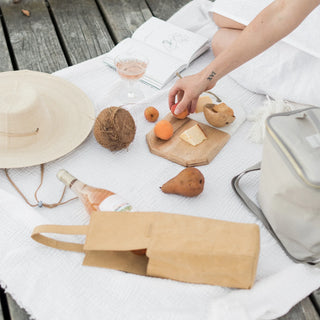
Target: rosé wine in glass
131	67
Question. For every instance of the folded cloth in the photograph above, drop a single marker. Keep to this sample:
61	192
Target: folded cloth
52	284
289	70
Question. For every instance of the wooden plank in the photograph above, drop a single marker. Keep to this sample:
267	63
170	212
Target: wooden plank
315	297
82	29
5	61
33	39
302	311
1	311
164	9
16	313
124	16
3	305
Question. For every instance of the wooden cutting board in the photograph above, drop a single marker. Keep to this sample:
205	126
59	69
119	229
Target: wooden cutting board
182	152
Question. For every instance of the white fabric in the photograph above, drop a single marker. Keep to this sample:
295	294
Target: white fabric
284	73
289	69
52	284
305	37
259	116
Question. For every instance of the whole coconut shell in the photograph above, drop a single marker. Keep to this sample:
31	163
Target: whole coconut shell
114	128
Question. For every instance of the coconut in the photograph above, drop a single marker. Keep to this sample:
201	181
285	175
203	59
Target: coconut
114	128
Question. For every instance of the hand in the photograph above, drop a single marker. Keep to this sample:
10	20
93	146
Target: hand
187	90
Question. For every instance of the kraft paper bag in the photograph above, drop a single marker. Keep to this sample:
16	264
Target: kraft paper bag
178	247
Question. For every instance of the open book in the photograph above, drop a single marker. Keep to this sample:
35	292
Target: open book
169	48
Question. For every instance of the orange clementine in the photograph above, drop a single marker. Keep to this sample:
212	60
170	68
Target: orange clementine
151	114
181	115
163	130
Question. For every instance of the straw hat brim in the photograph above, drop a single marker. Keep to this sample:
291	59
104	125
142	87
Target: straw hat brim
70	122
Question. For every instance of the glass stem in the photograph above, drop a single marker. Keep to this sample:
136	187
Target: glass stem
131	85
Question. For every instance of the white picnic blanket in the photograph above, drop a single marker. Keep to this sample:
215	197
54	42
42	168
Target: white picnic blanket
53	285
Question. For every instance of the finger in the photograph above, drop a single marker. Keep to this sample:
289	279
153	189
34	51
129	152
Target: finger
182	105
180	95
189	107
193	105
172	96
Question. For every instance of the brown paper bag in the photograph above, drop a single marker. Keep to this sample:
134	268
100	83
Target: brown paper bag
179	247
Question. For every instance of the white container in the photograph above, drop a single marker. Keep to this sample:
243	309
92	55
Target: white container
289	192
289	189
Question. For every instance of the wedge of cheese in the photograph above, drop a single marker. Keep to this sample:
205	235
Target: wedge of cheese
202	101
193	135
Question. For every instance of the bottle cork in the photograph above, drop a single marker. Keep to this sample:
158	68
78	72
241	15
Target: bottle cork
65	177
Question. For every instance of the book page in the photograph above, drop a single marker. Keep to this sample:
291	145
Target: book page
172	40
161	67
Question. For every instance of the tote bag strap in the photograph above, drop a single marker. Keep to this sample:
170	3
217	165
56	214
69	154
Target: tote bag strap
259	213
58	229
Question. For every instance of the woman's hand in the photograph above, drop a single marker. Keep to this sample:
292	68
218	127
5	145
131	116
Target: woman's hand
187	91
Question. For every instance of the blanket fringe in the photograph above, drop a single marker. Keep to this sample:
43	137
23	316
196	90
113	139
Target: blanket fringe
270	106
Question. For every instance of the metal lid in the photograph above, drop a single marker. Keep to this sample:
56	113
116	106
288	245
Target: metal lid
297	134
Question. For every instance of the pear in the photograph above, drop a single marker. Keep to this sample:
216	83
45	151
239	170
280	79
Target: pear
218	115
189	182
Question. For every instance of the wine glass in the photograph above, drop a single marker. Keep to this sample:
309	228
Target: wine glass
131	67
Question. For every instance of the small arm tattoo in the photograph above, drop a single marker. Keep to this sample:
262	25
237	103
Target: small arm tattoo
211	75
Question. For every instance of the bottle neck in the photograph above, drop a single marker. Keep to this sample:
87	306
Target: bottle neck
65	177
70	181
77	186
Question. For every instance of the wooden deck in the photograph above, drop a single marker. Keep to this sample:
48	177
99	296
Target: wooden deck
61	33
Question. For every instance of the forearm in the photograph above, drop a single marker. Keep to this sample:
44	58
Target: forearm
273	23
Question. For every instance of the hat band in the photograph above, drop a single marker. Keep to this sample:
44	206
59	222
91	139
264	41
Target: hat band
24	134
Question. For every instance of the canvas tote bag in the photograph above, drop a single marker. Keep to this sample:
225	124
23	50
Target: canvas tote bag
179	247
289	188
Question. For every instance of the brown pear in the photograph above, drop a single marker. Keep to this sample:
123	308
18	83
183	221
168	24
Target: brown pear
189	182
218	115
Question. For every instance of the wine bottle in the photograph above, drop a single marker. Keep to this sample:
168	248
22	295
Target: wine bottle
95	199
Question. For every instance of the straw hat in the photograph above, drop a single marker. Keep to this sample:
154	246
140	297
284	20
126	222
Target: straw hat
42	117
